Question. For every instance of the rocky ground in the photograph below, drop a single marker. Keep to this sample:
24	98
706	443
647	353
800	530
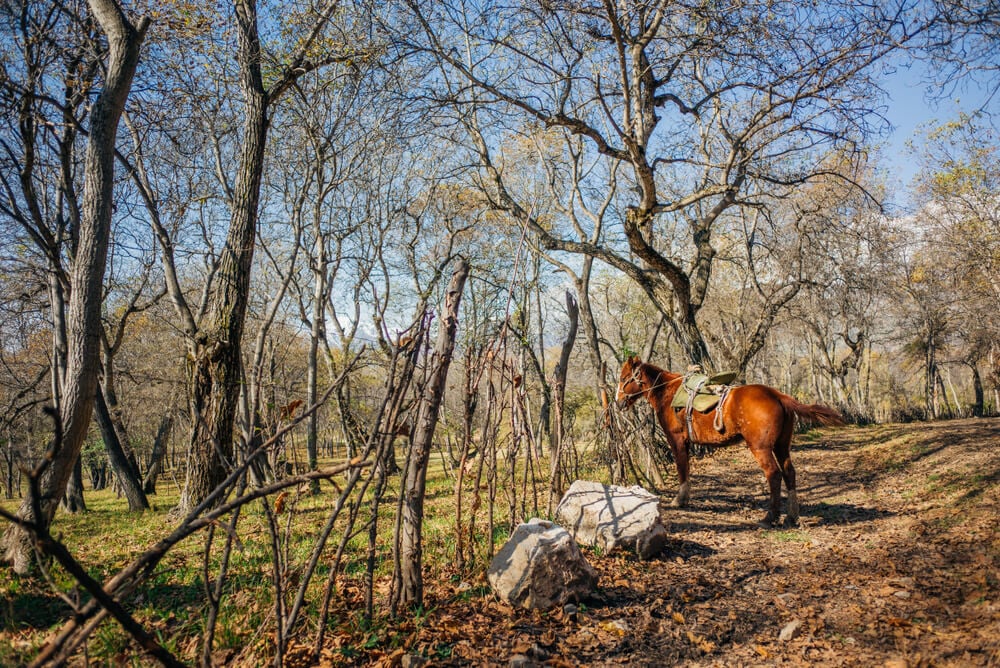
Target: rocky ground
896	562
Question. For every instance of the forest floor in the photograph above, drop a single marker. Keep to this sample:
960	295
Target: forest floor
896	563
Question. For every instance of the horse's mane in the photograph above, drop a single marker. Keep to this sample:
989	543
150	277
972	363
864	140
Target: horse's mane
653	372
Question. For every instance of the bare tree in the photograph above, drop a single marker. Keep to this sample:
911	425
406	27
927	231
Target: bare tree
558	428
216	364
408	587
709	109
87	277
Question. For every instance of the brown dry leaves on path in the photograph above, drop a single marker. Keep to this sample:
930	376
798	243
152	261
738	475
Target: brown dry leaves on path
896	563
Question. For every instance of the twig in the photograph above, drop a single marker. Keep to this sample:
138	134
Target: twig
76	630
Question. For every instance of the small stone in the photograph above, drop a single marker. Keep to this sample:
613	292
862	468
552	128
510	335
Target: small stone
521	661
790	631
903	594
412	661
570	611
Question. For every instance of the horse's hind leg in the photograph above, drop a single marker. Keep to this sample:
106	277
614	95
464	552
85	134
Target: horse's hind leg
782	453
683	469
765	458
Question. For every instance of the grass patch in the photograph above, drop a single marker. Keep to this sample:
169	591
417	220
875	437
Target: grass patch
789	536
172	602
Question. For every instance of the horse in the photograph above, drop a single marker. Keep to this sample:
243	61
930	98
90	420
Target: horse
760	415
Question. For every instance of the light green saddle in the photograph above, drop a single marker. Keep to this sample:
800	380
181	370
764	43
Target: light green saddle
707	390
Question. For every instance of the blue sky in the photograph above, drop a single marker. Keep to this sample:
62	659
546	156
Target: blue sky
908	109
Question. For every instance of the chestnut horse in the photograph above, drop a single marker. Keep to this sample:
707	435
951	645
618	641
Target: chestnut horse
760	415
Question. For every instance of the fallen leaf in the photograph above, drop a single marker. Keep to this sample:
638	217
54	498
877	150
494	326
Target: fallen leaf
279	503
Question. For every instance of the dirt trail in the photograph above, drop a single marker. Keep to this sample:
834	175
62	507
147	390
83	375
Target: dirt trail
896	562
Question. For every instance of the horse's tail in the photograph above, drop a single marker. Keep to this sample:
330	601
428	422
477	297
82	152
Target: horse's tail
816	413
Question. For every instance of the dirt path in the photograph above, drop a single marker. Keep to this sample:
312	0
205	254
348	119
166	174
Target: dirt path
896	562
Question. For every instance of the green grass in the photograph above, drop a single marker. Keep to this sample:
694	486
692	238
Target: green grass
788	536
171	602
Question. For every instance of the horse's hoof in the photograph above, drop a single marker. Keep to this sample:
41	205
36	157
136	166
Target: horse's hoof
791	522
766	523
678	503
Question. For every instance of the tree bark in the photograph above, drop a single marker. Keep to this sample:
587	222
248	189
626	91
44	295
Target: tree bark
977	388
87	278
317	331
930	376
408	585
216	373
73	501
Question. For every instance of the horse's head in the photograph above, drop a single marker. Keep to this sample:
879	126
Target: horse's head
631	383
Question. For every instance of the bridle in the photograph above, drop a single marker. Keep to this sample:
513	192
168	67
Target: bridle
639	380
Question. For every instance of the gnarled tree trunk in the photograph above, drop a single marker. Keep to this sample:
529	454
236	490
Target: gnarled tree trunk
216	372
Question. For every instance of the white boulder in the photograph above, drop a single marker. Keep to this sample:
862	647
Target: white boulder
608	516
541	567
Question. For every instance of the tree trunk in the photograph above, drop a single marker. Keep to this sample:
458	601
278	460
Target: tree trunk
216	372
57	301
930	375
556	429
9	457
98	471
977	388
156	457
582	284
87	279
317	331
120	465
408	584
73	500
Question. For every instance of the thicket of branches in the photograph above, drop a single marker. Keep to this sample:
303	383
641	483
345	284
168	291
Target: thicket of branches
351	241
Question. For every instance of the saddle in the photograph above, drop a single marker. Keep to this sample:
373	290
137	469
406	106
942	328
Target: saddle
706	390
701	392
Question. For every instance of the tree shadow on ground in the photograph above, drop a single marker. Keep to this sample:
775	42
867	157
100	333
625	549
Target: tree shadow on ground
843	513
41	608
36	609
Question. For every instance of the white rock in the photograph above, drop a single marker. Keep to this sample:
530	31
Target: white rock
608	516
541	567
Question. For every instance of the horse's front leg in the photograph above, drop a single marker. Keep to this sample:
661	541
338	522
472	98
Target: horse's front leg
680	447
